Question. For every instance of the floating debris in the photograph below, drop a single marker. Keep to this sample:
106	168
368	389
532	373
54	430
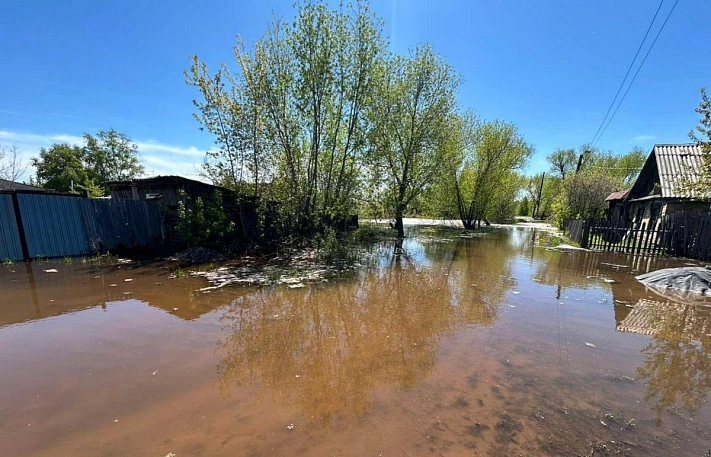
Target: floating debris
290	427
614	265
128	280
590	345
51	270
515	292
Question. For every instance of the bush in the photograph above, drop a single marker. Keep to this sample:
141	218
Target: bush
204	223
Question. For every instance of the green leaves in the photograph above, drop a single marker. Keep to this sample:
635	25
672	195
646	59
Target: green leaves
204	222
701	135
409	121
111	156
290	123
487	184
108	156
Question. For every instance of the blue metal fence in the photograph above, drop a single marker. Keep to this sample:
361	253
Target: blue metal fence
58	225
10	247
53	225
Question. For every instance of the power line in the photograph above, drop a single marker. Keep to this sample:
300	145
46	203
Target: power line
622	84
637	72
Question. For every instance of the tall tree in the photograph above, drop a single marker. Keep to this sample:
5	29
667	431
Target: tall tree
61	167
294	112
111	156
563	162
410	116
11	166
496	150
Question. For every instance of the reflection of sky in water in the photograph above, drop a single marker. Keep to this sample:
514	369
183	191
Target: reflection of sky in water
430	330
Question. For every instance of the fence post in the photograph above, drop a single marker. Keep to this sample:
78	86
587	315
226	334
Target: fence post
20	227
641	237
586	232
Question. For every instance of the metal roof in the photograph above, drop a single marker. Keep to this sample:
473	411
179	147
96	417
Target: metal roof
11	185
677	163
617	195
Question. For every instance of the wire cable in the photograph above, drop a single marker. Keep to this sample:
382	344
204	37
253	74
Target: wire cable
622	84
637	72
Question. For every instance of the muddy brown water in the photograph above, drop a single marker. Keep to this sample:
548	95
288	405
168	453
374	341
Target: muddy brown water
488	346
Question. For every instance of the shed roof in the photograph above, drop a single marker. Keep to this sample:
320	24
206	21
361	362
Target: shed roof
6	185
676	162
618	195
158	180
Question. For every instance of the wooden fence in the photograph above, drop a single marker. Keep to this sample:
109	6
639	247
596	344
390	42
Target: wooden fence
680	234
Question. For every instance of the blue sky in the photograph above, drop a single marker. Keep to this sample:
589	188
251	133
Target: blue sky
550	66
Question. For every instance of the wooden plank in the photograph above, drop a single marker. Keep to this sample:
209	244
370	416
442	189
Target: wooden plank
630	234
640	242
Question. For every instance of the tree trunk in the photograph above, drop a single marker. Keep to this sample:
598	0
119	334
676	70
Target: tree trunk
398	222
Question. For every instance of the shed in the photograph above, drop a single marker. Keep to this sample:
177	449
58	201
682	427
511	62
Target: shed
166	191
617	208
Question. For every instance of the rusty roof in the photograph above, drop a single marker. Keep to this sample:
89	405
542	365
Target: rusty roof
618	195
675	163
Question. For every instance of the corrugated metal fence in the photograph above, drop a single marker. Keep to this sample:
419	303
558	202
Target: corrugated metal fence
59	225
10	247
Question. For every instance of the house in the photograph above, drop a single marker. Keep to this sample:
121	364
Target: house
169	191
659	189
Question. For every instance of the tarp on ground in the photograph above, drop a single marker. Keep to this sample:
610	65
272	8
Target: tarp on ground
682	284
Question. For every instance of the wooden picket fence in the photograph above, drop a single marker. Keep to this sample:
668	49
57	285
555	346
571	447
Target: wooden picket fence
679	234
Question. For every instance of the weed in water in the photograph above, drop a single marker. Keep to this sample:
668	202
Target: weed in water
8	262
67	260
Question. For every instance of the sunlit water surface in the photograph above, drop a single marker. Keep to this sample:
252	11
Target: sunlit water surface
445	345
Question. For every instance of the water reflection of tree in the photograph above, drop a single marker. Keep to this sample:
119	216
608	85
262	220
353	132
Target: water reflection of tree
677	367
326	348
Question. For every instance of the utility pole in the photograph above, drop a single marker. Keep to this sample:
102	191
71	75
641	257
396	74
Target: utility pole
540	194
580	161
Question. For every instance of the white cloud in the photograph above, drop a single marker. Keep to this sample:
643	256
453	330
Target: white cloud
158	158
644	138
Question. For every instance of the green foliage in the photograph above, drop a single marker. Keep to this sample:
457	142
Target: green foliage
567	194
625	168
61	167
107	157
584	196
563	162
503	205
701	135
111	156
524	207
486	185
290	123
204	222
410	116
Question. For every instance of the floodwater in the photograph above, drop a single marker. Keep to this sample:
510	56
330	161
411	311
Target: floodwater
483	346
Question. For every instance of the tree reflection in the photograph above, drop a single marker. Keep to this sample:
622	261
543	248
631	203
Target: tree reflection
677	367
324	349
